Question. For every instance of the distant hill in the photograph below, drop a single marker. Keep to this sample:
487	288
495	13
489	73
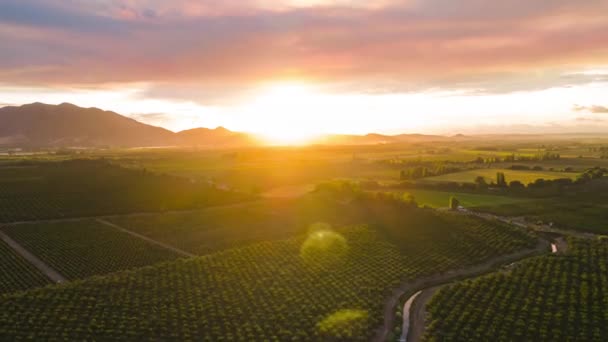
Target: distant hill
67	125
205	137
375	139
39	124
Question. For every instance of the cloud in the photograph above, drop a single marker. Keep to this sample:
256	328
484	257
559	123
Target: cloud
586	119
591	109
156	119
211	48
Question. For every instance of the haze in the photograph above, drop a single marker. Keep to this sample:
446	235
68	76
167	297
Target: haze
291	70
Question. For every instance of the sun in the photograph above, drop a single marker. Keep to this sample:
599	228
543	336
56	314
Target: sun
286	114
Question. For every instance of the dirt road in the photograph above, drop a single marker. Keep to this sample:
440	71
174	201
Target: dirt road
44	268
145	238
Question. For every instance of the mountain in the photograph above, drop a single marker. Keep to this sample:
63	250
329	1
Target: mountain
39	124
205	137
376	139
67	125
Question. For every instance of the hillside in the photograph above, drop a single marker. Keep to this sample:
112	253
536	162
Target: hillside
220	136
67	125
40	124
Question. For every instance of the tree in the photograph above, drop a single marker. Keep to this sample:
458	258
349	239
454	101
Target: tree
454	203
481	182
516	184
500	179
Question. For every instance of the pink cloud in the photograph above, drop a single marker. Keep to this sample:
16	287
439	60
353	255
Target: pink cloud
425	43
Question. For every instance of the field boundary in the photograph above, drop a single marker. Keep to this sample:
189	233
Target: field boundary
32	259
145	238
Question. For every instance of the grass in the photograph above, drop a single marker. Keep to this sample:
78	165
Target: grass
490	175
81	249
440	199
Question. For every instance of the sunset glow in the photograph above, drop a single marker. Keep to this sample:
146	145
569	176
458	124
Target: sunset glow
293	70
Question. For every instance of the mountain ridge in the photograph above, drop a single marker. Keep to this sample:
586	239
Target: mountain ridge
67	125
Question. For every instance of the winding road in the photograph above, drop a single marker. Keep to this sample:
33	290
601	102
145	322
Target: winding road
414	309
411	287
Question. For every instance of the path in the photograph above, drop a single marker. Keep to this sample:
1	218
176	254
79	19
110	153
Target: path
450	276
418	313
44	268
143	237
406	316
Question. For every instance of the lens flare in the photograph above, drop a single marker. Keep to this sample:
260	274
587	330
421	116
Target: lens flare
323	247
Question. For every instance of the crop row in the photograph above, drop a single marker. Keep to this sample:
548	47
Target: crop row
328	285
206	231
550	298
79	249
16	273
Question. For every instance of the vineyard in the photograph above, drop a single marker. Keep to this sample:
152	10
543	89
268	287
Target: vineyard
294	289
549	298
80	249
16	273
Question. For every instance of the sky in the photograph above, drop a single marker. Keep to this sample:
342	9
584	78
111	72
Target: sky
294	68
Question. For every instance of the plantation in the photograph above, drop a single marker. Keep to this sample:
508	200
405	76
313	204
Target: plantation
299	292
205	231
16	273
80	249
549	298
76	188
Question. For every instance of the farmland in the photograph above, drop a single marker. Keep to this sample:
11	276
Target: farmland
440	199
81	249
549	298
212	296
490	175
224	245
76	188
583	209
205	231
16	274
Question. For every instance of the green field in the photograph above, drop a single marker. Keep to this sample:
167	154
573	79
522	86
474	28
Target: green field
16	273
81	249
326	285
549	298
440	199
490	175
